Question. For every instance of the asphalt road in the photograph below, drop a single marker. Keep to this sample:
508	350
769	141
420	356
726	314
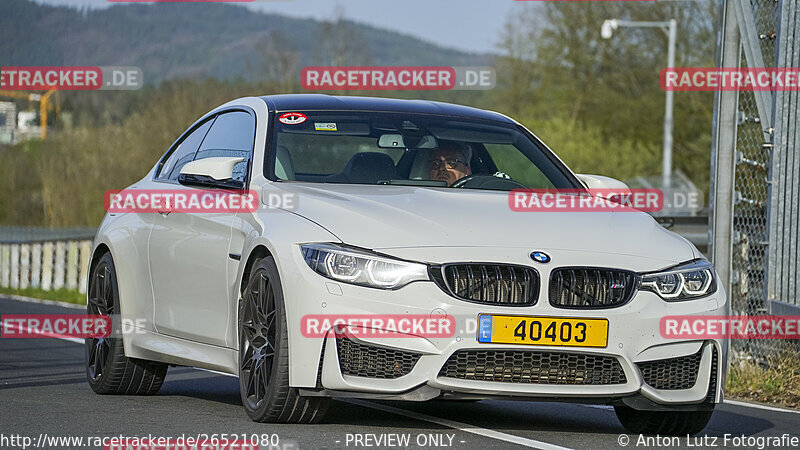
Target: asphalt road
44	396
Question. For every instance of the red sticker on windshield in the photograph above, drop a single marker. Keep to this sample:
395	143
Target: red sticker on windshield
292	118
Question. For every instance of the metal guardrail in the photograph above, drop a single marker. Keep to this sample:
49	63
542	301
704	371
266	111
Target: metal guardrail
19	235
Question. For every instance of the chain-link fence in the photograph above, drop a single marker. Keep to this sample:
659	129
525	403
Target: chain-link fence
765	29
749	258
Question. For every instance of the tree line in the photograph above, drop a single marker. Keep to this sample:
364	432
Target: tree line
597	103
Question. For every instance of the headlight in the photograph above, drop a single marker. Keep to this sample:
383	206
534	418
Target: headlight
361	267
685	282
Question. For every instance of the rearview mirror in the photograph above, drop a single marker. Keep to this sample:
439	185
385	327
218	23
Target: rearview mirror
407	141
211	172
391	141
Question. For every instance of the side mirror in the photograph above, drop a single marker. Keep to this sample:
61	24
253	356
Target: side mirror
601	182
211	173
605	187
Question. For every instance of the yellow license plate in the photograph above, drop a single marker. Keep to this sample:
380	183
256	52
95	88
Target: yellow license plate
542	331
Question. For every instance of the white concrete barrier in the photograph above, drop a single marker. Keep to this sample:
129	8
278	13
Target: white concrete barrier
72	265
24	265
14	266
36	265
5	265
59	265
47	265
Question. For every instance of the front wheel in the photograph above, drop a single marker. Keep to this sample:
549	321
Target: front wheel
264	354
675	423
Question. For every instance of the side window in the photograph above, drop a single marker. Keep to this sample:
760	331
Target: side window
183	153
231	135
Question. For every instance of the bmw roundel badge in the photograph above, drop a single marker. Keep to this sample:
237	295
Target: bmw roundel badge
541	257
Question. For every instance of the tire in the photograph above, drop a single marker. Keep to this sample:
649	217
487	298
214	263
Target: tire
677	423
108	370
264	354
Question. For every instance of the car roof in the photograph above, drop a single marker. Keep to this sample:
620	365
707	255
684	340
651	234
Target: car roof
321	102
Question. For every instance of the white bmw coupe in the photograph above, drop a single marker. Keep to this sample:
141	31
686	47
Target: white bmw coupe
383	260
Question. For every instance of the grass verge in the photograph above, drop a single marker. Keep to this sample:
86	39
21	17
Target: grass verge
62	295
778	383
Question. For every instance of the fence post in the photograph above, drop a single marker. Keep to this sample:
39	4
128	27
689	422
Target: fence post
36	265
14	266
723	151
86	255
72	265
24	265
47	266
58	273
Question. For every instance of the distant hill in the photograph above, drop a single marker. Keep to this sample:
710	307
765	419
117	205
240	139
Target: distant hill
198	40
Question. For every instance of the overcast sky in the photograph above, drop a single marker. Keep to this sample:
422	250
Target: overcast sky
472	25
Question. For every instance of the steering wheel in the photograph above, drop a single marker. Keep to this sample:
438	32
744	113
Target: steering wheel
488	182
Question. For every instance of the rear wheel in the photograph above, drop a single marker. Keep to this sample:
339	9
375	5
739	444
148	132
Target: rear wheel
662	422
264	354
108	370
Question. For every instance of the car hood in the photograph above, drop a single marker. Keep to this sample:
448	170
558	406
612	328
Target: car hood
386	217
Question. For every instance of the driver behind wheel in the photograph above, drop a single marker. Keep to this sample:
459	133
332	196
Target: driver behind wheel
449	162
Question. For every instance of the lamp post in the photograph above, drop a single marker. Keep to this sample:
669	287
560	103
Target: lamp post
671	28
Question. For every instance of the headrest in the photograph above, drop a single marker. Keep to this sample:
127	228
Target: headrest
369	168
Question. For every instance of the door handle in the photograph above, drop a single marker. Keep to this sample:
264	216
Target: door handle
165	213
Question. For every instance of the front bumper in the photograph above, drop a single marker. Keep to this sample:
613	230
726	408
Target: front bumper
633	339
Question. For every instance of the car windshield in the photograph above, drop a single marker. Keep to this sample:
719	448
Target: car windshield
410	149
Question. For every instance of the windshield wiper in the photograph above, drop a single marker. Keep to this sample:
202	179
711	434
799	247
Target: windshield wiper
431	183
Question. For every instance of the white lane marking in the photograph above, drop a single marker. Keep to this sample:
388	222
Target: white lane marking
21	329
458	426
757	406
21	298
